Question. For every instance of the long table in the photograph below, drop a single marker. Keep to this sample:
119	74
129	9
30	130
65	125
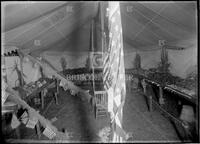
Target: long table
49	83
187	97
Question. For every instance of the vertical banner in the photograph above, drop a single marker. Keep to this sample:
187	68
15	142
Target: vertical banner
15	122
48	132
114	72
4	94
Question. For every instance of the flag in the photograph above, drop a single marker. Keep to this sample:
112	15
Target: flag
15	122
4	94
32	122
114	73
24	118
49	132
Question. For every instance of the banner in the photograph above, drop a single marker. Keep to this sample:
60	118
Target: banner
31	123
49	133
15	122
114	72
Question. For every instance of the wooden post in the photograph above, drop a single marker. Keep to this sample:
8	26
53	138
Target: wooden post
161	99
57	86
144	86
56	97
38	130
150	103
21	67
17	132
42	98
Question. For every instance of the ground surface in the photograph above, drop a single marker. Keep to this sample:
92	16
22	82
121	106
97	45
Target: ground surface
145	125
77	118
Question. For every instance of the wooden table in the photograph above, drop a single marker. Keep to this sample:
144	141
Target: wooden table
180	94
12	108
187	97
49	83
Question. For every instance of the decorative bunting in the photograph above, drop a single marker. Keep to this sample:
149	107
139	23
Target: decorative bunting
15	122
32	122
4	85
24	118
48	132
114	73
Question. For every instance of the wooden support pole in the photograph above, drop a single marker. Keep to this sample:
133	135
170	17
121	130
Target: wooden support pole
42	98
17	132
38	130
56	97
21	67
161	99
144	85
150	103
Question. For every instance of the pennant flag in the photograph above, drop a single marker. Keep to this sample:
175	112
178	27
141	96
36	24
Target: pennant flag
31	123
15	122
24	118
48	132
4	94
114	73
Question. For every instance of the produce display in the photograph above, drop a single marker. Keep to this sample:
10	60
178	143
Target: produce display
33	86
186	91
187	85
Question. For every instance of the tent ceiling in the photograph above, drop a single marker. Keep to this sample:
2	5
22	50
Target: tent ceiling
58	29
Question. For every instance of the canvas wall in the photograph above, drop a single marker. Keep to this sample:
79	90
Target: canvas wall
182	62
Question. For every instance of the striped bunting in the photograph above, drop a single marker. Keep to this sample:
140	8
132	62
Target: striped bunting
31	123
15	122
114	73
48	132
24	118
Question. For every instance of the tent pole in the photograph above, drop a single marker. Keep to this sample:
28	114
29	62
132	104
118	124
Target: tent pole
102	26
93	51
21	67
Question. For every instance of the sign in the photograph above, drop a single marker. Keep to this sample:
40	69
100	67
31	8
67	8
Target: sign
96	59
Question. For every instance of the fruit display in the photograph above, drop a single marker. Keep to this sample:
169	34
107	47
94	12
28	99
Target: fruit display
33	86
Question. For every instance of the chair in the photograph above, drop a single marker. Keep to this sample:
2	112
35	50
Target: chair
101	99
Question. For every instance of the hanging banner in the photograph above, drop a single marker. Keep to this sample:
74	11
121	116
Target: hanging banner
48	132
114	72
31	123
15	122
4	94
24	118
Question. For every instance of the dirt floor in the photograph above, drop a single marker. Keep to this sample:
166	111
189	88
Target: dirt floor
78	119
146	126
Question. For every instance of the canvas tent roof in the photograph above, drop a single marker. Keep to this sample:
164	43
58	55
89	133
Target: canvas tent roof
60	27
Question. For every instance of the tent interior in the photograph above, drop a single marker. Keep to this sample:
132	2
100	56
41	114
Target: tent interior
71	31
